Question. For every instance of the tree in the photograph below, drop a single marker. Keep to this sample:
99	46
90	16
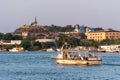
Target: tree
1	36
17	37
37	45
7	36
70	40
26	44
82	36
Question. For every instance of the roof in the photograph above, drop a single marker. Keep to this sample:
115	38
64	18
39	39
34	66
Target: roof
104	31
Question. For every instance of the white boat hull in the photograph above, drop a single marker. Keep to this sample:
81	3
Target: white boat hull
13	51
77	62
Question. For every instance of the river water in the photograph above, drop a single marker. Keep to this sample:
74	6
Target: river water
40	66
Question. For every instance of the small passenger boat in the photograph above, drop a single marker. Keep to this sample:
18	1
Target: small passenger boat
64	57
15	49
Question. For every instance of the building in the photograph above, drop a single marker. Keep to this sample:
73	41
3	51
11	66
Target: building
45	40
10	42
109	48
101	35
35	22
25	34
80	29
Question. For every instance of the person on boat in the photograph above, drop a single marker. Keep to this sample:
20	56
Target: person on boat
69	55
94	55
81	57
78	56
66	55
89	55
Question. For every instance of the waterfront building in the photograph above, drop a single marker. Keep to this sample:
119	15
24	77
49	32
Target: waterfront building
10	42
113	47
109	48
45	40
102	35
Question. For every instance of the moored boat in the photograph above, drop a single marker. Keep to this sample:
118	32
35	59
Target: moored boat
50	50
64	57
15	49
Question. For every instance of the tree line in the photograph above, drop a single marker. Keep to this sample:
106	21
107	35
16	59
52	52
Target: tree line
83	42
30	44
9	36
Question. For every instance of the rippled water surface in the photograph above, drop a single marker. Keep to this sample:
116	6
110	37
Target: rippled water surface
39	66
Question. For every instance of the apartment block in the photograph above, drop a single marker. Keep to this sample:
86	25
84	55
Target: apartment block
101	35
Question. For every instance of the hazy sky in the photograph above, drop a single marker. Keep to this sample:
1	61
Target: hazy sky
93	13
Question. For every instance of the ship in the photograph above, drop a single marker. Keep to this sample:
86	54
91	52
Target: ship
65	57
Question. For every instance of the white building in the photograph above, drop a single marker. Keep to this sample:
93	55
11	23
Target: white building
110	48
11	42
45	40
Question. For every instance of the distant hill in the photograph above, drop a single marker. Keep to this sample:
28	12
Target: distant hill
34	28
41	29
30	29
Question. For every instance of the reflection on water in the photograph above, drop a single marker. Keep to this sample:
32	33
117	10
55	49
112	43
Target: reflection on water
39	66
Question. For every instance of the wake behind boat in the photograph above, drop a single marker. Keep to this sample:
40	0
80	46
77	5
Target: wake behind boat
66	58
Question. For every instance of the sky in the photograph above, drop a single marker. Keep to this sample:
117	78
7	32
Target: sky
92	13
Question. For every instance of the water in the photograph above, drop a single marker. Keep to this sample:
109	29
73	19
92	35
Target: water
39	66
